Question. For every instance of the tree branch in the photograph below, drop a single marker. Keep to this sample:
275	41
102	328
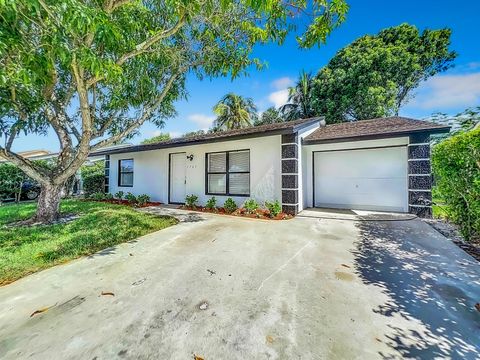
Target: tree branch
26	166
146	114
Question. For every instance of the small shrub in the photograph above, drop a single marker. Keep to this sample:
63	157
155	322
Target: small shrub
251	206
191	201
274	208
119	195
143	199
93	183
98	196
211	203
230	205
108	196
132	199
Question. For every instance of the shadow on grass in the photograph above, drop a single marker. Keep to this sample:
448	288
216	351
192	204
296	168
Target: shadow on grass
429	281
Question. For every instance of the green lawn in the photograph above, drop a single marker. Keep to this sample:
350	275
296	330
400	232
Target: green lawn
24	250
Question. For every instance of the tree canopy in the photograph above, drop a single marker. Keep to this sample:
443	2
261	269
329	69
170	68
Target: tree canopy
375	75
157	138
234	112
269	116
300	99
94	71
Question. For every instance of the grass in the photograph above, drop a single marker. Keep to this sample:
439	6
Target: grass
24	250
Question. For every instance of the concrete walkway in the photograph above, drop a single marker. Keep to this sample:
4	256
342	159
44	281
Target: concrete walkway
223	287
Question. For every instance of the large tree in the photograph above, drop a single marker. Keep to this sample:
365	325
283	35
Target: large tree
269	116
157	138
93	71
375	75
300	103
234	112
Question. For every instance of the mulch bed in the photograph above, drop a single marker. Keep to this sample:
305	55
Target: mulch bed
259	213
127	203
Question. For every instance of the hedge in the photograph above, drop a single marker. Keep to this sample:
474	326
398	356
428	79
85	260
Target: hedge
456	165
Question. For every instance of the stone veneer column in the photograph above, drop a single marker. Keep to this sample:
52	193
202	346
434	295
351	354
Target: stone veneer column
290	174
107	173
419	176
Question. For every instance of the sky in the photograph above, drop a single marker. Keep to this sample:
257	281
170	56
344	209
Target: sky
449	92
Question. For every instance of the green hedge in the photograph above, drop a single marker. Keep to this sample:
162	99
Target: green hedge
456	165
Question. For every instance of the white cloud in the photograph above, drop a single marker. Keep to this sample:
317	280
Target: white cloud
444	92
278	98
175	134
282	83
201	120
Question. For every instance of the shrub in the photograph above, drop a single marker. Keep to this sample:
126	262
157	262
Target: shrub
93	183
230	206
11	181
119	195
132	199
251	206
108	196
456	165
143	199
211	203
98	196
274	208
191	201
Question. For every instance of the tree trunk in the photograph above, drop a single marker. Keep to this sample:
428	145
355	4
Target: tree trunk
48	208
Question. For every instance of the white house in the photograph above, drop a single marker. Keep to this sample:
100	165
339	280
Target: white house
379	164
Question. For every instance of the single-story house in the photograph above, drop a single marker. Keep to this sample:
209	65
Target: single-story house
380	164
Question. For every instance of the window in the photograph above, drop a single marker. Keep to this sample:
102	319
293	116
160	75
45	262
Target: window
228	173
125	172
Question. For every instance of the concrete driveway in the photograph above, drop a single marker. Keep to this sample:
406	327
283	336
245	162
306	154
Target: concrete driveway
222	287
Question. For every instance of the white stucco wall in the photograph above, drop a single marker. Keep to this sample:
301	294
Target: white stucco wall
151	170
307	163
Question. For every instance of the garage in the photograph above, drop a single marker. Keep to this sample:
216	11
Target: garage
362	178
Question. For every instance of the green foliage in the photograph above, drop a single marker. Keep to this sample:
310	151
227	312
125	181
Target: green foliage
269	116
191	201
456	165
274	208
375	75
93	183
156	139
97	167
98	196
27	249
211	203
251	206
234	112
132	199
194	133
119	195
11	181
465	121
229	205
300	103
143	199
108	196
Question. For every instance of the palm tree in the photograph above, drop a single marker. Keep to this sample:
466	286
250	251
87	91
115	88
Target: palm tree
299	105
234	112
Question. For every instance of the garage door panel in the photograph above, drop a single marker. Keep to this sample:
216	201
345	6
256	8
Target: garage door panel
373	179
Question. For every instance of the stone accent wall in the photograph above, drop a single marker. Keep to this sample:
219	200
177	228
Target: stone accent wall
419	176
107	173
290	174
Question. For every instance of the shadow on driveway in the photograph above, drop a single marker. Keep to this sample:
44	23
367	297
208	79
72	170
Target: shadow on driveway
429	280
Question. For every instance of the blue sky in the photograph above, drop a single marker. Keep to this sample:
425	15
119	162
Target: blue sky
449	92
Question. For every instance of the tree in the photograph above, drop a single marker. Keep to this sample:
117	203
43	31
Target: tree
234	112
194	133
300	100
94	71
158	138
375	75
269	116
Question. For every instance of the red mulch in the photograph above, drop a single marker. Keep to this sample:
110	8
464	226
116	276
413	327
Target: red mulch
259	213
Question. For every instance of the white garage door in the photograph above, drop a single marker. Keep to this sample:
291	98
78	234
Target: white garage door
365	179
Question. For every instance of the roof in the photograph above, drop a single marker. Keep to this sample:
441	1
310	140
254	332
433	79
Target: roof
373	128
254	131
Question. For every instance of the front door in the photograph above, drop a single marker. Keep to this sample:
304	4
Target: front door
177	178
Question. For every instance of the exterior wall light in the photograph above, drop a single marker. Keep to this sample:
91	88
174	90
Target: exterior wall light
190	157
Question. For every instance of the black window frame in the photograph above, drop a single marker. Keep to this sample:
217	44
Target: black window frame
227	172
120	172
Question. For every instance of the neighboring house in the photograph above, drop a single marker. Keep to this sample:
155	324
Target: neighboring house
379	164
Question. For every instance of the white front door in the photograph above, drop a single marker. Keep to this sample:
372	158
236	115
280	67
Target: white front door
177	178
365	179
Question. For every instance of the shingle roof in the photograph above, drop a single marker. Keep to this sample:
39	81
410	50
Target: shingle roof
254	131
380	127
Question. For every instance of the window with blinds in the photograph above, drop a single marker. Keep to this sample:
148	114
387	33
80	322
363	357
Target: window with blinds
125	172
228	173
